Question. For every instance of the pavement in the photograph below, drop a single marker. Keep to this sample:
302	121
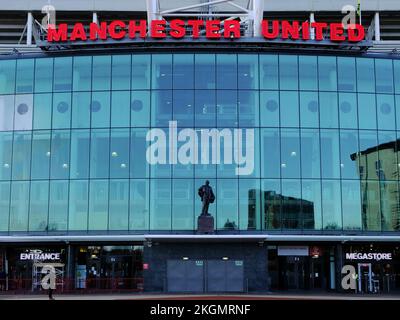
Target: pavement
268	296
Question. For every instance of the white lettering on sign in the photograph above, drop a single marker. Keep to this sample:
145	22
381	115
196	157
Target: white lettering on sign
39	256
369	256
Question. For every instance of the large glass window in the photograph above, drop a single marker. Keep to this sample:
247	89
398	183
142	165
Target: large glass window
161	108
271	197
396	72
183	71
227	71
99	153
183	108
6	112
61	110
386	168
290	153
60	147
44	75
291	205
248	109
7	76
101	73
100	110
310	153
348	110
288	72
366	111
160	205
42	111
119	205
81	109
41	154
289	108
139	206
386	112
19	206
4	205
80	148
82	74
371	205
121	72
248	71
330	154
119	153
347	74
23	112
120	108
62	74
329	117
21	160
98	205
141	71
309	109
311	206
269	108
270	153
227	108
389	205
161	72
384	75
327	74
331	205
348	149
205	110
269	72
38	206
24	80
183	204
140	108
351	205
58	205
308	73
78	205
365	75
249	204
367	159
6	142
204	75
139	167
227	204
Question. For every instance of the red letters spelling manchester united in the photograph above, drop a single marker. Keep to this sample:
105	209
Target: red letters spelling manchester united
210	29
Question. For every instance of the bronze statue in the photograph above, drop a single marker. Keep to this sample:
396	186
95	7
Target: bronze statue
207	196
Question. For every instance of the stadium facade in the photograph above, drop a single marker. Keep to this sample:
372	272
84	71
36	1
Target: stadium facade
104	143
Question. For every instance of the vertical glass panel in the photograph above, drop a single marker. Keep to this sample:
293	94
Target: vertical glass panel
387	167
183	108
61	110
309	109
183	204
44	75
248	110
270	153
139	205
227	204
367	159
396	66
60	146
4	205
161	108
42	111
23	112
248	71
38	206
140	108
98	205
62	74
78	205
289	108
348	110
397	103
119	153
6	113
7	76
82	74
227	71
121	72
308	73
183	75
120	108
269	108
291	205
269	71
160	205
348	150
186	152
207	164
21	155
141	71
24	81
271	204
347	74
249	204
365	75
99	153
247	151
80	148
310	153
227	109
331	205
384	75
100	109
161	71
40	155
366	111
139	167
205	112
330	164
389	205
225	146
327	73
204	75
119	205
158	153
19	207
290	153
311	206
288	72
6	141
58	205
385	111
81	109
101	73
351	205
371	205
329	117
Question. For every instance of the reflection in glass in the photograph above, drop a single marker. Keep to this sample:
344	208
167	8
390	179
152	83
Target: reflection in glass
348	110
292	204
161	108
21	155
61	110
204	75
121	73
119	205
346	74
38	206
249	204
42	111
384	75
23	112
248	109
227	71
139	168
183	67
141	71
331	205
183	108
4	205
205	111
119	153
101	73
270	153
330	153
367	159
327	73
6	113
386	112
99	153
308	73
365	75
183	204
227	204
290	153
19	207
248	71
269	77
140	108
348	146
271	204
161	71
371	209
24	77
6	141
62	74
389	195
120	108
58	205
81	109
227	108
366	111
40	155
139	204
329	117
82	74
43	75
269	108
310	153
100	109
80	147
309	109
7	76
78	205
60	147
351	205
288	72
160	205
311	204
98	205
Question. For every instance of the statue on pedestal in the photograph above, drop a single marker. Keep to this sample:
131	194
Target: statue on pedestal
207	196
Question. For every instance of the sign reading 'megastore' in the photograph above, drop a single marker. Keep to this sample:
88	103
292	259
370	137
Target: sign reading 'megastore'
369	256
210	29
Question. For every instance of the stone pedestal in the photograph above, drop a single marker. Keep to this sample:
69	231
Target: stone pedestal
205	224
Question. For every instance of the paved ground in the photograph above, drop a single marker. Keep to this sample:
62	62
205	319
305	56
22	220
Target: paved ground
274	296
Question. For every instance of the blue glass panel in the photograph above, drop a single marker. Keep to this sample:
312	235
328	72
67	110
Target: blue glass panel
308	73
81	109
348	110
6	142
21	155
348	147
183	107
204	75
140	108
60	147
139	209
346	74
227	108
227	71
80	148
161	108
227	204
24	78
270	153
248	71
62	74
290	153
365	75
61	110
327	73
288	72
42	111
248	109
39	206
41	155
82	74
183	75
7	76
249	204
101	73
311	204
271	204
183	204
396	72
289	103
331	205
207	155
269	72
310	153
386	112
121	72
384	75
351	205
98	205
119	153
366	111
161	71
6	112
291	205
389	204
386	168
119	205
160	152
120	108
99	153
368	157
4	205
139	168
23	112
160	205
371	205
269	108
100	109
141	69
329	117
205	111
330	160
309	109
19	206
78	205
44	75
58	205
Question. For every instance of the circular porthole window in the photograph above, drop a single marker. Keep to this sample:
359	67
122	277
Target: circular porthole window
272	105
136	105
386	108
95	106
62	107
313	106
345	107
22	108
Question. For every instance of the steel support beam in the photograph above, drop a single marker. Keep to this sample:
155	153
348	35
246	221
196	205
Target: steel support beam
257	16
377	27
29	29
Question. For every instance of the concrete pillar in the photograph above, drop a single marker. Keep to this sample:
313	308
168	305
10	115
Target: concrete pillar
258	14
29	29
377	27
152	12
